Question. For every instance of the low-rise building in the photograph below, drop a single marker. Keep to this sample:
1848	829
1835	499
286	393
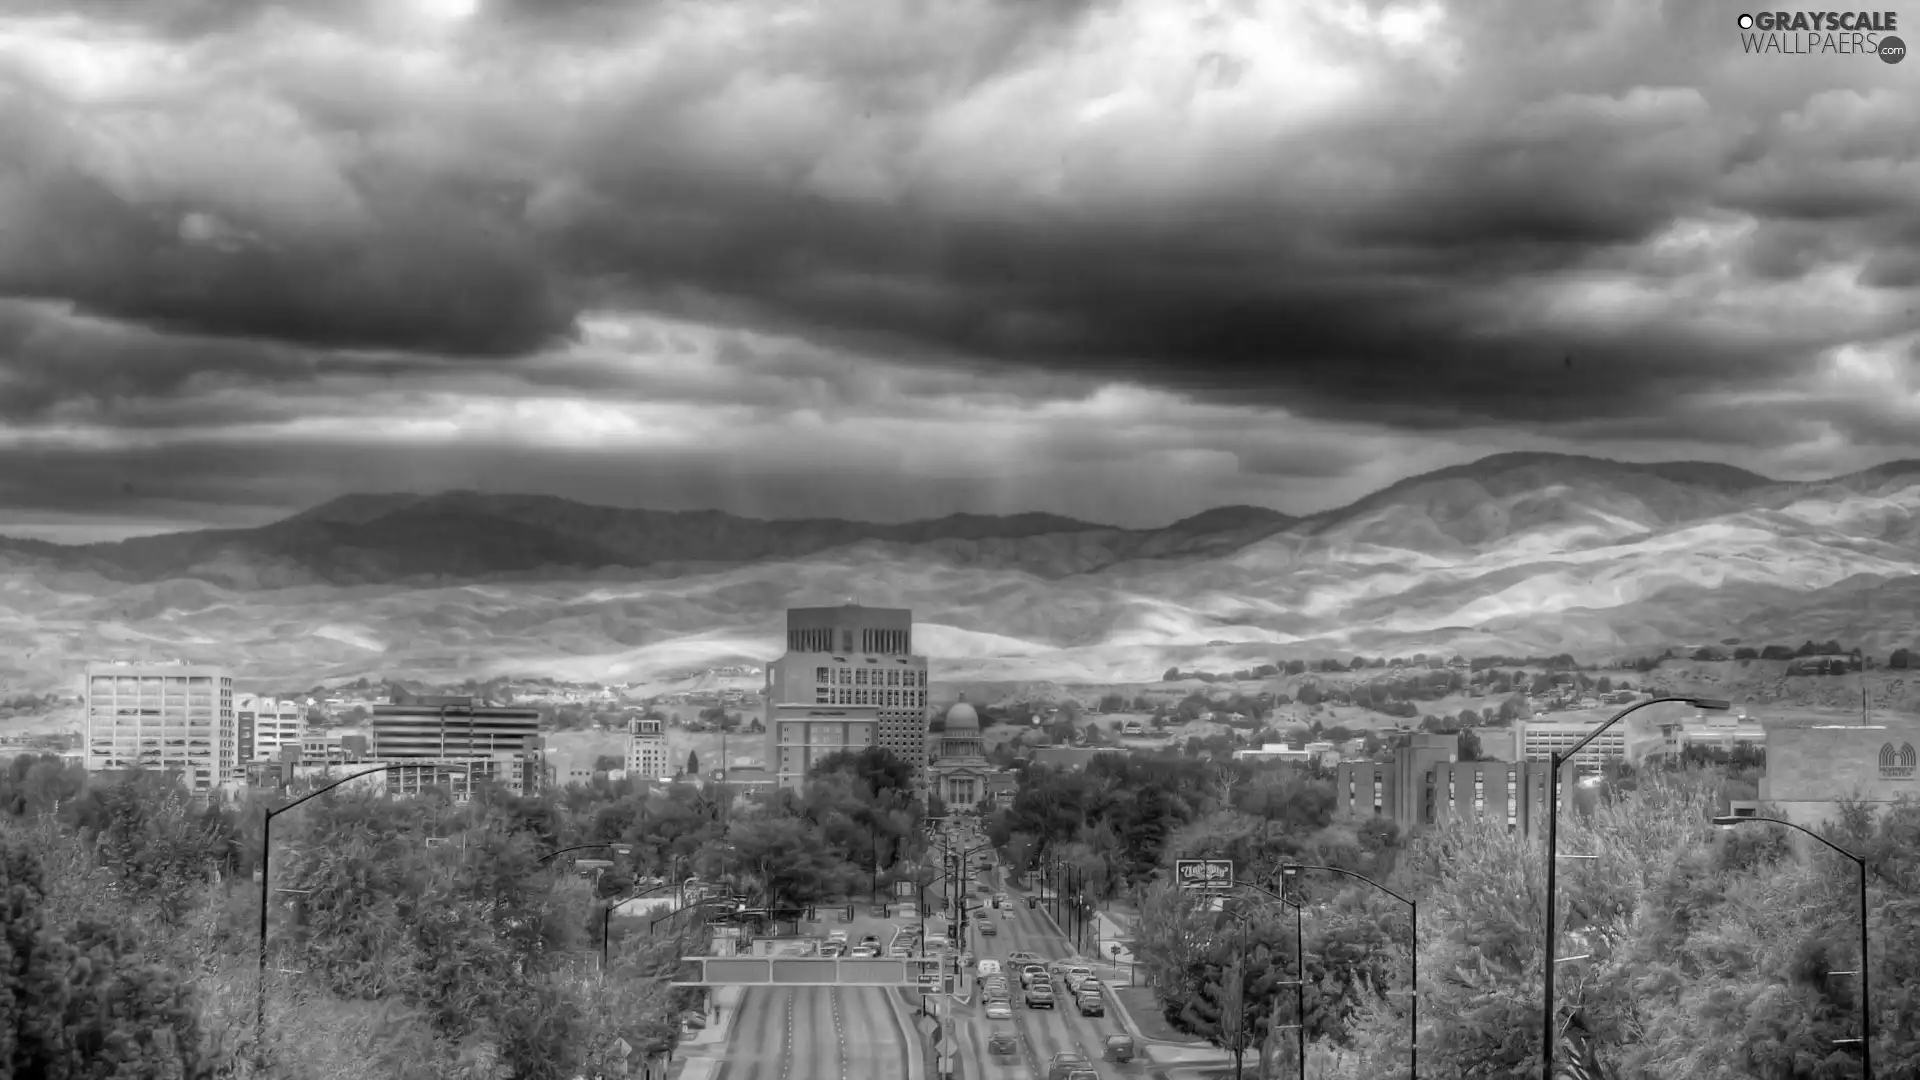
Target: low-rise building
1425	783
1812	767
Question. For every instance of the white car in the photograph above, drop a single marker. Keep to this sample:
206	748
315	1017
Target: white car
839	936
1074	975
999	1010
988	968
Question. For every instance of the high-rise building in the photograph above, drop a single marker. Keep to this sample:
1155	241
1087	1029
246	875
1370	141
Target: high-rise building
647	749
498	743
173	717
859	658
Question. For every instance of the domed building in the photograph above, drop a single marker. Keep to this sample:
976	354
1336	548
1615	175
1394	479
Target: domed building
959	770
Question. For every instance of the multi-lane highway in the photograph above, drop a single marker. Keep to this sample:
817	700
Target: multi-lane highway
1043	1032
857	1033
818	1033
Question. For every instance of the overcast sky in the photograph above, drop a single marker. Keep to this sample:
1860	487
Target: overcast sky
897	258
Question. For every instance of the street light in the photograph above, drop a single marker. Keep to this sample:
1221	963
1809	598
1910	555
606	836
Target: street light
266	853
617	849
1860	864
1292	870
1299	984
1555	760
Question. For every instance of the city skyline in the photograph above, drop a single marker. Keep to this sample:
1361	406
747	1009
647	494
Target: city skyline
1119	261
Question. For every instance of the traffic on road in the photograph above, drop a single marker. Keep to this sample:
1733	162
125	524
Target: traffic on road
1022	1008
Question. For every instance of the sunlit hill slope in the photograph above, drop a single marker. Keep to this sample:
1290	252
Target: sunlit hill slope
1518	553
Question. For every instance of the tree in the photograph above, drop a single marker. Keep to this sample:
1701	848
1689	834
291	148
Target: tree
1470	749
81	999
1903	659
693	763
608	763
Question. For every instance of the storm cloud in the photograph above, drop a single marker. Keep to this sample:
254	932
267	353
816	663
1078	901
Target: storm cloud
1303	231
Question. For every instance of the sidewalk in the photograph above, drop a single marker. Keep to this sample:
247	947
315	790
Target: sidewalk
702	1052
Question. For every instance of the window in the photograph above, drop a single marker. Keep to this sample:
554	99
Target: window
860	677
821	674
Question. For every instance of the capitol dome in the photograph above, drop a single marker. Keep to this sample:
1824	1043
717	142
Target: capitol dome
962	716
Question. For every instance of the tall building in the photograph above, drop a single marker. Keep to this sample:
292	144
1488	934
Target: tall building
266	727
498	743
854	657
1425	784
174	717
647	749
801	736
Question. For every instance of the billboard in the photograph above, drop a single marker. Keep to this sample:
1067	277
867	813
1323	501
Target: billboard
1203	873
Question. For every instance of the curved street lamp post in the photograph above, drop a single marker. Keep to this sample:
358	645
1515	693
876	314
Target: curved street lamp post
1860	864
1290	870
266	851
1555	761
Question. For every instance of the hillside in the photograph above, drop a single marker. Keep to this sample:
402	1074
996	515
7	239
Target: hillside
1521	554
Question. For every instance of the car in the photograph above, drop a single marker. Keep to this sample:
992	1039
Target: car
864	951
1064	1065
870	939
906	911
900	952
993	988
1091	1003
987	968
1021	956
983	888
1083	1074
1033	973
1119	1048
987	929
839	936
1003	1044
1058	968
999	1010
937	941
833	948
1039	996
1002	900
1091	982
1073	975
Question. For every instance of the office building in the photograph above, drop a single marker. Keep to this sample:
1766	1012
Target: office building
647	749
172	717
1812	767
266	727
1426	783
860	658
502	744
801	736
1536	740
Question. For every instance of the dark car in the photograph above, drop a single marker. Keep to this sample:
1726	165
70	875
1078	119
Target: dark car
1003	1044
1120	1048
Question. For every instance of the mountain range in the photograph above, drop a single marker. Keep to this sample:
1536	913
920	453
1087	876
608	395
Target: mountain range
1516	553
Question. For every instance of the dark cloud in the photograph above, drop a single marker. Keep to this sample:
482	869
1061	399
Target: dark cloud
1589	222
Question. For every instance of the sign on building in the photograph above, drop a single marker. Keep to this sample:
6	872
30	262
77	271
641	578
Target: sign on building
1898	763
1203	873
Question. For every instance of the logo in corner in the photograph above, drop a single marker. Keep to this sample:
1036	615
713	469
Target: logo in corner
1892	50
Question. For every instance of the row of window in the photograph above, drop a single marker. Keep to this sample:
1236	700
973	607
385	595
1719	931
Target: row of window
833	676
886	699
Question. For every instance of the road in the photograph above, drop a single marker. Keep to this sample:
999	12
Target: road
820	1032
817	1033
1043	1032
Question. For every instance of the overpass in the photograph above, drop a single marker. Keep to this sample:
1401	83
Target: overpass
921	973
